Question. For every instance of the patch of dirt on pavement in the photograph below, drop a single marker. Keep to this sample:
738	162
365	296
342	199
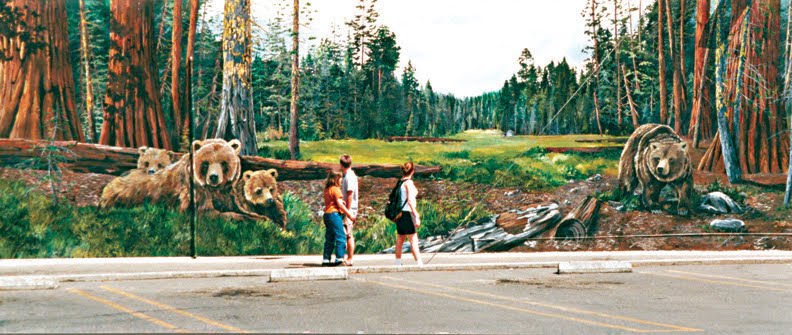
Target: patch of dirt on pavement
559	282
257	292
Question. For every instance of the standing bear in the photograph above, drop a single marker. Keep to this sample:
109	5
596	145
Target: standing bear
655	156
215	169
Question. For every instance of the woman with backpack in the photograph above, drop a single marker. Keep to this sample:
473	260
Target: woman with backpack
409	221
334	207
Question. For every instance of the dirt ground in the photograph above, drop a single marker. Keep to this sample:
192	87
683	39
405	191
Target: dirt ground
763	215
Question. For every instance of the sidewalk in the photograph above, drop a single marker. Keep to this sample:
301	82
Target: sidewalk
98	269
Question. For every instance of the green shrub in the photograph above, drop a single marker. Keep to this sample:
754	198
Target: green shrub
267	151
464	154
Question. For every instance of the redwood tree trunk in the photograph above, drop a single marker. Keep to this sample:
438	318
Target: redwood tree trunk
176	50
752	84
190	52
133	112
294	138
676	59
36	82
661	63
236	119
701	115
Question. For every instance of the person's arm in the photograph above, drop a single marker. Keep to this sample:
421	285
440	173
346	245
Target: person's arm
415	216
342	207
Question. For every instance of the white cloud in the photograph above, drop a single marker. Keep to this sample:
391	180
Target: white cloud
464	47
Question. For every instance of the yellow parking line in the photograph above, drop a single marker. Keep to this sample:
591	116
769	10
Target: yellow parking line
512	308
552	306
174	310
770	283
712	281
128	310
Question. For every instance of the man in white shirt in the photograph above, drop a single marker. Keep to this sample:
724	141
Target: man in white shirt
349	191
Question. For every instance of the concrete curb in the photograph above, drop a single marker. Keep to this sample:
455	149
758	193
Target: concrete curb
27	283
44	281
594	267
309	274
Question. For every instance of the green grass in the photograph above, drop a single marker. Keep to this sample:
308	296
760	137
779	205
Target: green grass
486	157
31	226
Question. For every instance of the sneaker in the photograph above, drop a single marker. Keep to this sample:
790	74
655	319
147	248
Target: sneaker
326	262
398	262
336	263
420	263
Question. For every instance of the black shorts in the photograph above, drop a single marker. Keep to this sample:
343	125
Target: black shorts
405	224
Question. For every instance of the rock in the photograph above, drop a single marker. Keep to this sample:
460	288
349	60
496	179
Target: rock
597	177
719	203
728	225
509	133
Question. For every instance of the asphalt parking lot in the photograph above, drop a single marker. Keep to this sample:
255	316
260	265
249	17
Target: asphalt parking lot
745	299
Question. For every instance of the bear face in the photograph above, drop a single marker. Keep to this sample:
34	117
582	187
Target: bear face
152	160
261	187
216	163
668	160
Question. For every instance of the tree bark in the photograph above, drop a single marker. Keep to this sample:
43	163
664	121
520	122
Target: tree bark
787	90
190	53
750	98
236	119
89	95
595	37
36	81
633	110
661	63
96	158
176	51
678	85
616	44
294	138
701	115
133	113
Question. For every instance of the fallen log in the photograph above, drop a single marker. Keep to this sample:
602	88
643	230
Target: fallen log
582	221
96	158
422	139
603	140
496	233
588	150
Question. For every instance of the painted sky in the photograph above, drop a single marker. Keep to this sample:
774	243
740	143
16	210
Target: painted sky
464	47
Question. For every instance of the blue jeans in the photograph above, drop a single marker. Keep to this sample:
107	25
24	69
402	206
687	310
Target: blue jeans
335	237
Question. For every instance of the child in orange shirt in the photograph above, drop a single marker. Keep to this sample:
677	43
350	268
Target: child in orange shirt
334	207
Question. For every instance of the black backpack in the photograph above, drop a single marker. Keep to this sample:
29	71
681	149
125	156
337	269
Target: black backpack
392	209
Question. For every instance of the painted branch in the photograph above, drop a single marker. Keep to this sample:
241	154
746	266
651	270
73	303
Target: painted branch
422	139
111	160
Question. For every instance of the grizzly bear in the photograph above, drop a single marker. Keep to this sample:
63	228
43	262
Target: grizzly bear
152	160
215	169
256	194
655	156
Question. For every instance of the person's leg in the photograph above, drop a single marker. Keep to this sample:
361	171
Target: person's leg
340	237
350	239
415	248
399	246
329	240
